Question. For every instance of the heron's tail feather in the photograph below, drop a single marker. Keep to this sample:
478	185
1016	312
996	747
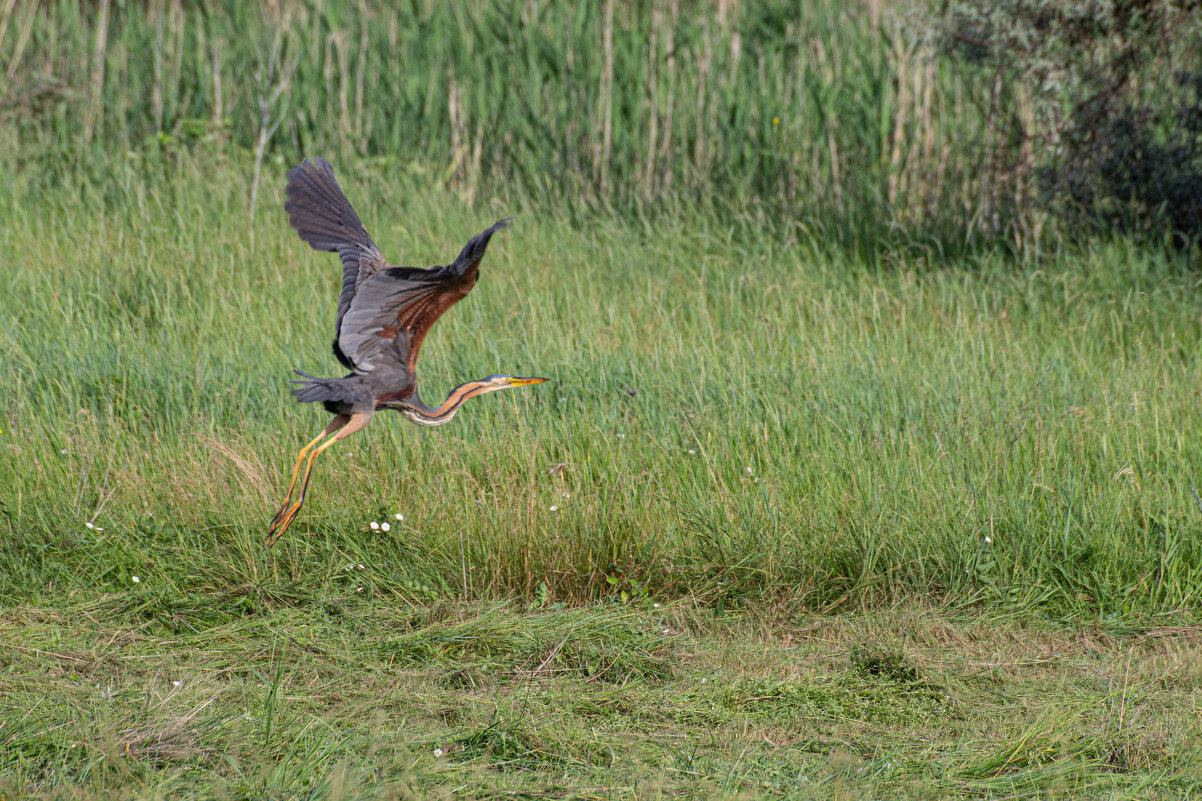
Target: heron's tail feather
313	389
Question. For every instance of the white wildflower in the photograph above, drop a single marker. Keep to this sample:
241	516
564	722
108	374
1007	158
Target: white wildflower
89	525
693	452
385	527
176	683
135	579
374	525
554	508
438	752
987	540
399	516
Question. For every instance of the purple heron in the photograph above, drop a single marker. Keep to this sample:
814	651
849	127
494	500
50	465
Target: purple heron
384	314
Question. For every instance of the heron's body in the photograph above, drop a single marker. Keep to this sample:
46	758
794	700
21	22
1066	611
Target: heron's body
384	314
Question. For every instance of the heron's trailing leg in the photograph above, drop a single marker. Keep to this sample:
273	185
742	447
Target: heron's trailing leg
338	422
341	427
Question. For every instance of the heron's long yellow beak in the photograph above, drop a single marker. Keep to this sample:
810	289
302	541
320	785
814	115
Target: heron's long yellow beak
514	381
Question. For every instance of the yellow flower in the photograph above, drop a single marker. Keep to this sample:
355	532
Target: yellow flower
776	120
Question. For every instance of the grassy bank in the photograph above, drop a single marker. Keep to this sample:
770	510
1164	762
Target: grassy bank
729	422
360	697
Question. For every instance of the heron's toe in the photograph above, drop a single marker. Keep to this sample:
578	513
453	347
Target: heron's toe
280	523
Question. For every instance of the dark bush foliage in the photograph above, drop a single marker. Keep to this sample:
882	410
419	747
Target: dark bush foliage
1097	105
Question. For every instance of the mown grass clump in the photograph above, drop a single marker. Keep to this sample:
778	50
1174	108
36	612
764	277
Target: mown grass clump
887	663
591	646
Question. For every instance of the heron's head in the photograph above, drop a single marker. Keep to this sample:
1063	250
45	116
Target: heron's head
495	382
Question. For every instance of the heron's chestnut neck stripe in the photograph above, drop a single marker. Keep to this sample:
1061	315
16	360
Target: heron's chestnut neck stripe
425	416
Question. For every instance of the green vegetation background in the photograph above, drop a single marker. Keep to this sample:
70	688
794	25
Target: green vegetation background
780	387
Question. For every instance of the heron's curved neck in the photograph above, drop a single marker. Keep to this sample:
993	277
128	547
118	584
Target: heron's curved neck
423	415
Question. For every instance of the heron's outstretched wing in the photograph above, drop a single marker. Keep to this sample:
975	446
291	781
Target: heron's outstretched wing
324	218
393	311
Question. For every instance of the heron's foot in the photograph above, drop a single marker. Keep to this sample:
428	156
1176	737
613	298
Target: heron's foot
282	520
283	510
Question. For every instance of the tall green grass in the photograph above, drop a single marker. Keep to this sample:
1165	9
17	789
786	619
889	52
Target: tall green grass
730	421
834	115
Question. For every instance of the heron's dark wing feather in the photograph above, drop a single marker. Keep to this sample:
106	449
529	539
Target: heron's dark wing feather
393	311
325	219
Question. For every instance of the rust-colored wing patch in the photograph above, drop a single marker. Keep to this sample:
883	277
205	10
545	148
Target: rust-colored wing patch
393	311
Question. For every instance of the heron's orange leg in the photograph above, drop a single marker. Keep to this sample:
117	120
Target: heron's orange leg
342	427
338	422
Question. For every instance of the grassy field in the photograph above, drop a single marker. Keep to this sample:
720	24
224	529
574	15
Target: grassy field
783	525
726	419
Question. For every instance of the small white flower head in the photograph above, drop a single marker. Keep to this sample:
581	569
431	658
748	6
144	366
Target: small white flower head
350	567
374	525
987	540
386	526
655	606
438	752
563	400
63	451
89	525
358	589
704	680
399	516
667	631
175	683
749	468
135	579
621	435
361	567
554	508
692	452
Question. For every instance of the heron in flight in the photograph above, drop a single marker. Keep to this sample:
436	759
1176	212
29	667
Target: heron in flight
384	313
